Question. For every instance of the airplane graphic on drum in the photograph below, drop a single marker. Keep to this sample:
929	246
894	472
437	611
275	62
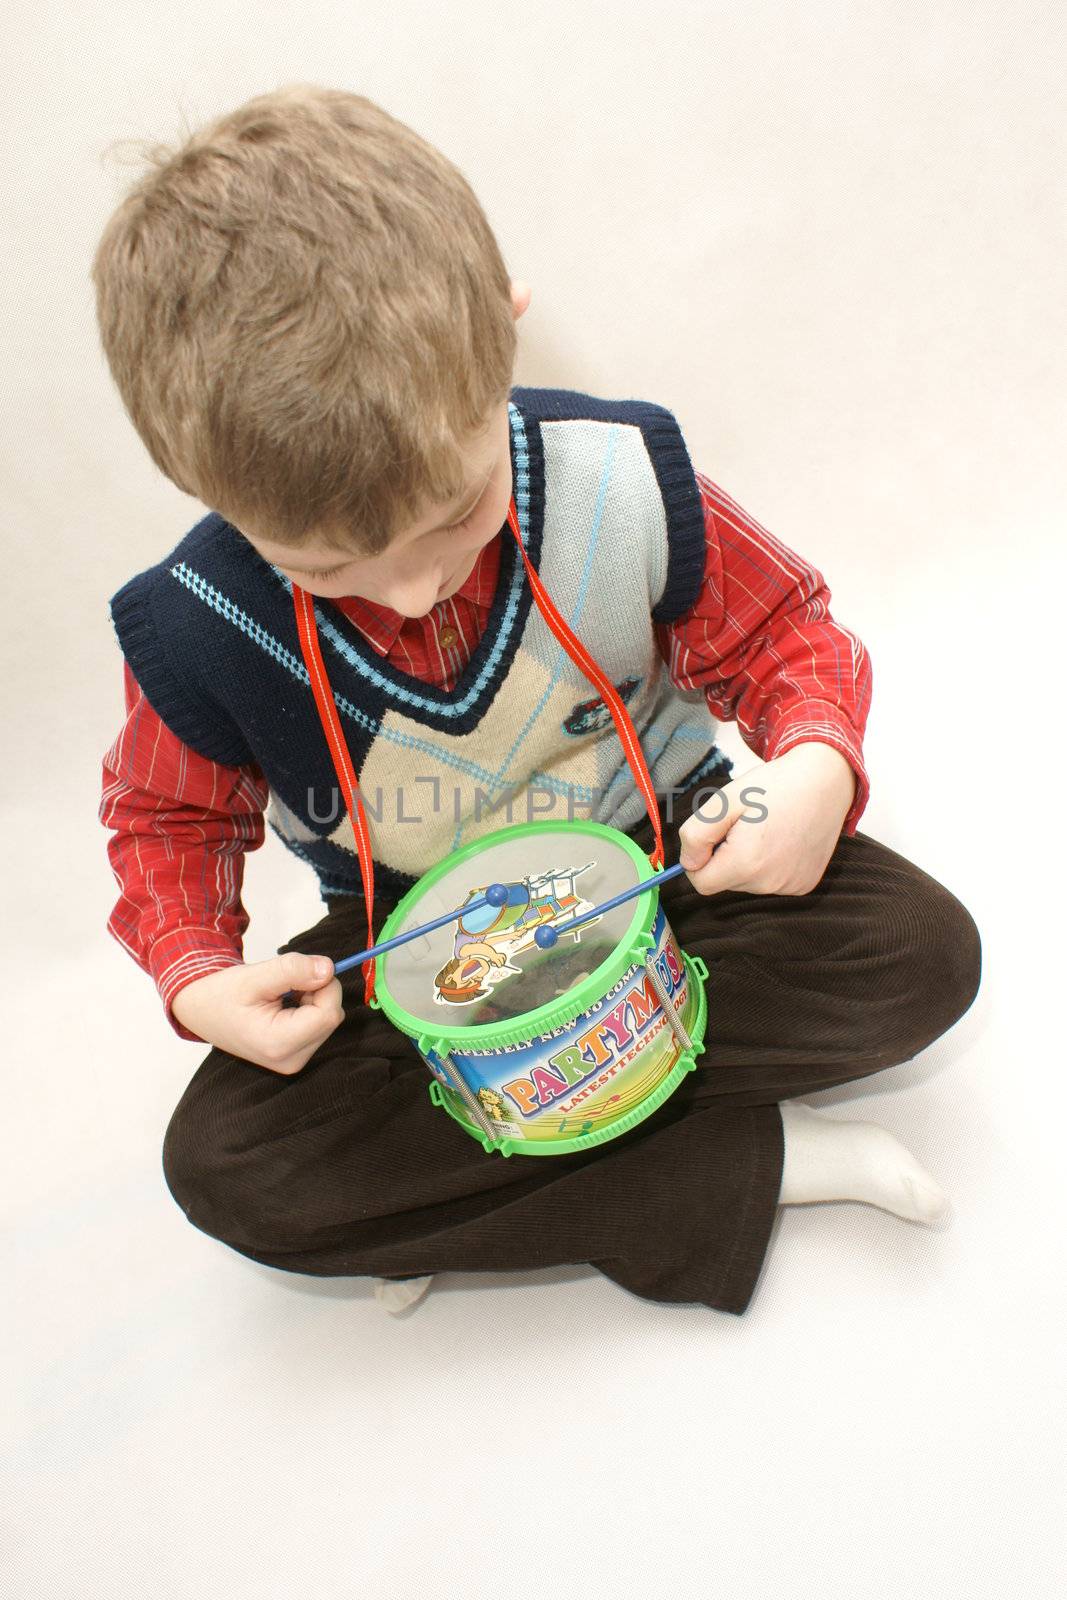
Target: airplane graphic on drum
488	937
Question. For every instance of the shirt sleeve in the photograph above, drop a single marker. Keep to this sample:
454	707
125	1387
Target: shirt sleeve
762	645
180	825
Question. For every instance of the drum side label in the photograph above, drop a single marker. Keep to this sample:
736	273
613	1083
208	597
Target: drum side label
594	1069
601	1049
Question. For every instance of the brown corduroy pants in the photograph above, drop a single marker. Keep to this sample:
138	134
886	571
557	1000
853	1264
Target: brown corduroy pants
347	1167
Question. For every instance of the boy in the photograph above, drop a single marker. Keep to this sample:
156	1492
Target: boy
313	331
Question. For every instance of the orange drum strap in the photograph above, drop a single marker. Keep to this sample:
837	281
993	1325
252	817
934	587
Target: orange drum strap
342	761
578	653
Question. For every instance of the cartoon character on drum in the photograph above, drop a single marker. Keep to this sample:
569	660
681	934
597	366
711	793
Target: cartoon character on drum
493	1105
489	936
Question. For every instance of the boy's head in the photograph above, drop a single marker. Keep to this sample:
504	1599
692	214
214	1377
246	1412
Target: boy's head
427	561
312	328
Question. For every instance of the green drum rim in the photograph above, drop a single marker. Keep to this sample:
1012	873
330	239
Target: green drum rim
489	1035
697	973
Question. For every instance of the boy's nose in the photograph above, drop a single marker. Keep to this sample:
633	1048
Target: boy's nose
414	598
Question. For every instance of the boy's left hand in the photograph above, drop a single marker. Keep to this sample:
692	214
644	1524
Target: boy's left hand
780	840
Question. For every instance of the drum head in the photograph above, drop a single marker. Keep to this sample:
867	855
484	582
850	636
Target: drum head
486	967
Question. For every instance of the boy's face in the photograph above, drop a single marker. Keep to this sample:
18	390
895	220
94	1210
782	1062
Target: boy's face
427	562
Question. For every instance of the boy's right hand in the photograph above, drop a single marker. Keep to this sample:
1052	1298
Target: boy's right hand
239	1009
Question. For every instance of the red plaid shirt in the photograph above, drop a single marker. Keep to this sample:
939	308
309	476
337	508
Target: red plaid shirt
759	641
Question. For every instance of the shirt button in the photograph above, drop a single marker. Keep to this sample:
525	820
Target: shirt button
447	638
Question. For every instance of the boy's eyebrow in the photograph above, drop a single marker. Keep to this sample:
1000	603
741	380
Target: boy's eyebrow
456	517
319	571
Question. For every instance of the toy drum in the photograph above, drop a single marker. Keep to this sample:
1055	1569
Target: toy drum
544	1051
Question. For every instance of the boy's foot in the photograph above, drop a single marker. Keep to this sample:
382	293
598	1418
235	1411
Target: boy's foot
831	1159
396	1294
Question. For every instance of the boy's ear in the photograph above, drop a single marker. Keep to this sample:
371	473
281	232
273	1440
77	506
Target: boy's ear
520	298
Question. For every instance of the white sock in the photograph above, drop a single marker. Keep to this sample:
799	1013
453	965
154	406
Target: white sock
396	1295
831	1159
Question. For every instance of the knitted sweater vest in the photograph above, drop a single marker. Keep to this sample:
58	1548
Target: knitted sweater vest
610	516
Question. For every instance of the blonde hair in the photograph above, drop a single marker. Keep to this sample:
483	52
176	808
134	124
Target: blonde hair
307	316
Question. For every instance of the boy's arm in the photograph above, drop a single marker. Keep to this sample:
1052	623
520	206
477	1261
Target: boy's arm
180	826
761	643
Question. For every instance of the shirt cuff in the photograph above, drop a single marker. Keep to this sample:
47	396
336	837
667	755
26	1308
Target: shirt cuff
823	722
182	956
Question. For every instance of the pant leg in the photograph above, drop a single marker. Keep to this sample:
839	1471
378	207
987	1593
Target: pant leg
347	1168
808	991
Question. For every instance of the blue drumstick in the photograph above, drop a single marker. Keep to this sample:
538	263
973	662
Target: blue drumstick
495	895
546	936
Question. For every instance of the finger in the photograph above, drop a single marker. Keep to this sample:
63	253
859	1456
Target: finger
328	999
292	1029
269	980
708	826
729	868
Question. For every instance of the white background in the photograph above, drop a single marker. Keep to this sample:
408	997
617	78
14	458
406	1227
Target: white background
831	239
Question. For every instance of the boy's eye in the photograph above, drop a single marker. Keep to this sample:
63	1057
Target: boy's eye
453	527
332	572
